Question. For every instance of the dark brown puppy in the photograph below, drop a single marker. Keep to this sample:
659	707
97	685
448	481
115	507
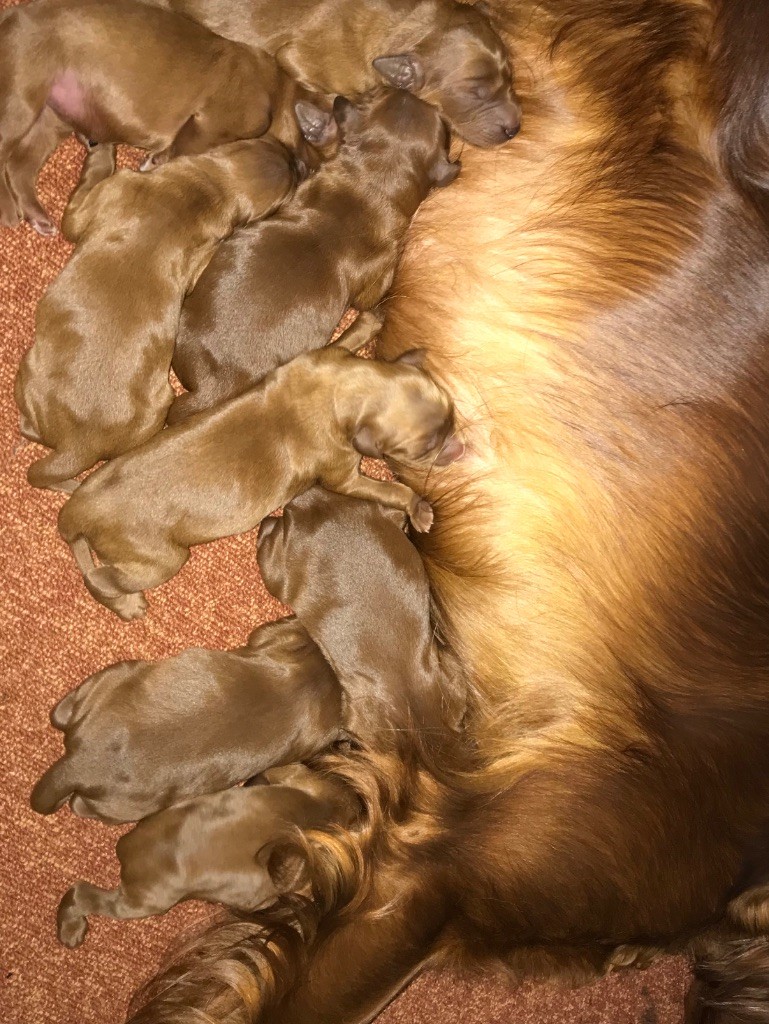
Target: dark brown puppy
223	471
447	53
120	71
95	383
279	290
358	585
141	736
222	847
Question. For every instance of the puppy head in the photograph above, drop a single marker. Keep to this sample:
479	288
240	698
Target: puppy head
463	68
411	420
263	173
401	129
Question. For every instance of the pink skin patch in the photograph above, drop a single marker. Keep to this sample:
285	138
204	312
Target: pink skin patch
69	100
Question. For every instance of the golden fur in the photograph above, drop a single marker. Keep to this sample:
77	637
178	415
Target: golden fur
595	298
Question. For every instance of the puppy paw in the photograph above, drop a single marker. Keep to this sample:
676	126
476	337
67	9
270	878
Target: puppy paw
43	227
421	516
129	606
71	925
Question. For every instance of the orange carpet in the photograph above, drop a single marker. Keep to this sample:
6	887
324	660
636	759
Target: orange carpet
52	635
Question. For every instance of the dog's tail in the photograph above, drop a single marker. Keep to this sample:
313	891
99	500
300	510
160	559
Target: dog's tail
742	66
54	788
372	923
731	984
57	470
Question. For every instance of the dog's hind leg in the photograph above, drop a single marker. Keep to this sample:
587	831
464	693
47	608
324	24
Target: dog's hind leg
84	899
107	584
26	162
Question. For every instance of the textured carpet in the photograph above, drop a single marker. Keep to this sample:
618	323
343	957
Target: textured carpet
52	634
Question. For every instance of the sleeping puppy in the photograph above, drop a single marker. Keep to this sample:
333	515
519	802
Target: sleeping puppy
358	585
120	71
141	735
95	383
445	52
221	472
281	288
223	847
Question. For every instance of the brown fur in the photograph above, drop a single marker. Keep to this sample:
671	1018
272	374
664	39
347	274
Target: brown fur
596	299
140	736
95	383
389	665
222	847
121	71
447	53
273	292
223	471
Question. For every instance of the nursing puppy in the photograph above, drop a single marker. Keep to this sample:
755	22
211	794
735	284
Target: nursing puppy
223	471
223	847
95	383
120	71
445	52
141	736
282	288
335	560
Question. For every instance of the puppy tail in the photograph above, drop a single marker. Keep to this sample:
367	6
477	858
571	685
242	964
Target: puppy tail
53	789
57	471
731	984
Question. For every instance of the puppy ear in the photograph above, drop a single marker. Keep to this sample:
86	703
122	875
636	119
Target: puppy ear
401	71
318	126
365	443
414	357
270	554
444	172
346	114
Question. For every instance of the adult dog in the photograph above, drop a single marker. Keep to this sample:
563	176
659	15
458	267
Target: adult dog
597	298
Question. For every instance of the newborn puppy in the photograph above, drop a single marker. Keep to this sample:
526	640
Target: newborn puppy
223	471
95	383
141	735
339	561
223	847
272	292
447	53
121	71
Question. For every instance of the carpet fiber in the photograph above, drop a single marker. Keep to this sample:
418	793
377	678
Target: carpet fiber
52	635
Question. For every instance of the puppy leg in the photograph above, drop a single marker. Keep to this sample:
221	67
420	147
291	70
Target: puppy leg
17	116
25	165
99	165
56	471
395	495
107	585
84	899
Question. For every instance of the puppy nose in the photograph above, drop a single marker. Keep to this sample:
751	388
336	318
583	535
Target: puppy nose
511	130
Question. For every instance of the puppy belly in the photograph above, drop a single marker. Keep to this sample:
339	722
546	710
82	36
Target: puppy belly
69	100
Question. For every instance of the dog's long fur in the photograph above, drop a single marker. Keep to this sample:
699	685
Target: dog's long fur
95	383
597	299
272	293
119	71
447	53
140	736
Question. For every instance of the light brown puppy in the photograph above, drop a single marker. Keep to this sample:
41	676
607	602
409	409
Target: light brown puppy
447	53
119	71
222	847
359	587
141	736
95	383
223	471
280	288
